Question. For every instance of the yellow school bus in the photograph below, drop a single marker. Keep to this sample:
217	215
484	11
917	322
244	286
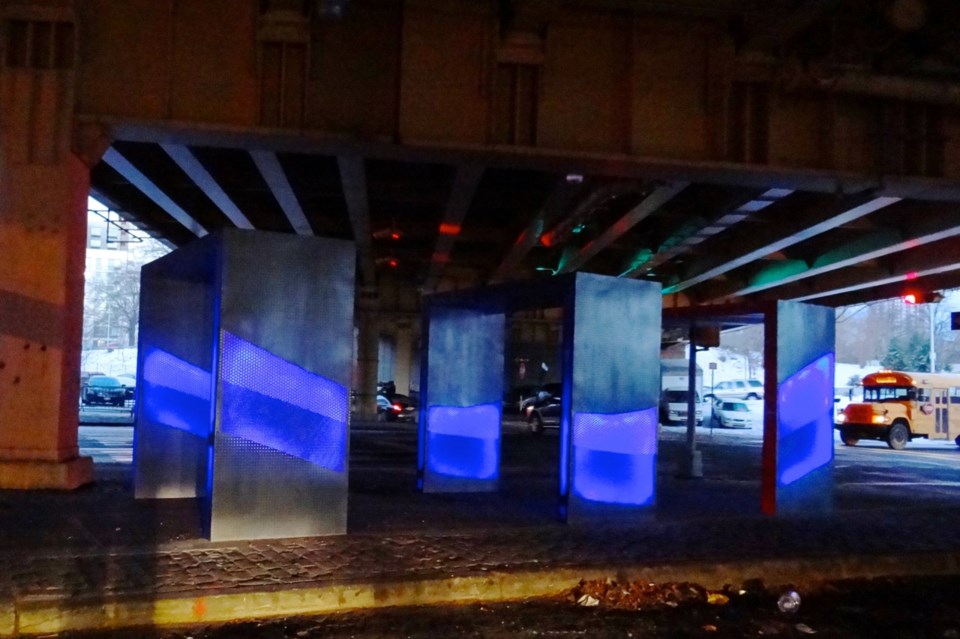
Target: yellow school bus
898	407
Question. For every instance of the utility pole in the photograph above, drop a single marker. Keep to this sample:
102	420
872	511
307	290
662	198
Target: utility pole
694	461
933	354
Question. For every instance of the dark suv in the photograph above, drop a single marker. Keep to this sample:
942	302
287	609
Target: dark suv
103	389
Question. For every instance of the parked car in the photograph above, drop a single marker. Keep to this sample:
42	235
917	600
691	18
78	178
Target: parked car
103	389
86	375
544	410
396	408
513	398
129	383
540	394
738	389
731	414
673	406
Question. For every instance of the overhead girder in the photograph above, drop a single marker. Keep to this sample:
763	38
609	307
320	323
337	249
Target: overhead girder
790	228
132	174
812	143
354	181
190	165
659	196
727	214
465	183
559	199
273	174
563	162
937	258
934	282
929	223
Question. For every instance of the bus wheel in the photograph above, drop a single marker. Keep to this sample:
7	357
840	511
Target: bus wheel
898	436
848	439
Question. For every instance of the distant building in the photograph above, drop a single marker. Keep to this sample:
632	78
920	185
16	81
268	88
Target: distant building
116	250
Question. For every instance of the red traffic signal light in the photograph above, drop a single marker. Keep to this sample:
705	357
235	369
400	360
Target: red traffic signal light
921	297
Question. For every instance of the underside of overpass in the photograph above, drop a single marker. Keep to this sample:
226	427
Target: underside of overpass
733	150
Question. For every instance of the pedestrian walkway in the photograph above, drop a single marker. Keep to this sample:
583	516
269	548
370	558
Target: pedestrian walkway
96	558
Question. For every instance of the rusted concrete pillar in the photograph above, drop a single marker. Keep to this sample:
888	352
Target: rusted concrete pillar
404	357
368	342
43	203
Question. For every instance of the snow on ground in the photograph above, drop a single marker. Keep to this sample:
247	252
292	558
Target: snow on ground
116	361
731	366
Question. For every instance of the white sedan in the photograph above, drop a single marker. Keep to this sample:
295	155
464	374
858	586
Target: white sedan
732	414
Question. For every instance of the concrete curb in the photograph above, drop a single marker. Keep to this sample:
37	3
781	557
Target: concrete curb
49	615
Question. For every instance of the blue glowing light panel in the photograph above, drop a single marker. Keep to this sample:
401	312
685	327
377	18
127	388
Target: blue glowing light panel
461	406
805	420
270	401
612	384
614	457
803	478
463	442
174	384
175	393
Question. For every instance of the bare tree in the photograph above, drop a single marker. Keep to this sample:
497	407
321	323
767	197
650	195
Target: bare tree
112	299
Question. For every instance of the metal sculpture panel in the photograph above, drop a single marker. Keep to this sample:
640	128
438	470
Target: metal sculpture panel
461	411
611	384
804	396
612	376
271	435
175	383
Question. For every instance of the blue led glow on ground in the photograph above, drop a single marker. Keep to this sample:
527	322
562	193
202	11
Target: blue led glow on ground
805	426
275	403
614	457
175	393
464	441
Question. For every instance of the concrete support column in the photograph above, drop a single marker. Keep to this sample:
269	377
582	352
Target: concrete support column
43	209
404	357
368	355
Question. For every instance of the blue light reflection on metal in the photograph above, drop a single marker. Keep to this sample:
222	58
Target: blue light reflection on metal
176	393
464	441
275	403
805	420
614	456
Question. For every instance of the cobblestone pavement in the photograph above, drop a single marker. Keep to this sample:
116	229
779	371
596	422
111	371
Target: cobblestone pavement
99	545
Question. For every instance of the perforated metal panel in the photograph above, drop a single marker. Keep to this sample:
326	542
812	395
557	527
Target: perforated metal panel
612	373
805	336
464	442
615	457
461	411
175	385
272	402
268	440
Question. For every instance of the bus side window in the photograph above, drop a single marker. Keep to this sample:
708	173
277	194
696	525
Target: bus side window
954	395
922	394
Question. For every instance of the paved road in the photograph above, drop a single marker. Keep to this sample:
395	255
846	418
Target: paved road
867	473
107	444
100	415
